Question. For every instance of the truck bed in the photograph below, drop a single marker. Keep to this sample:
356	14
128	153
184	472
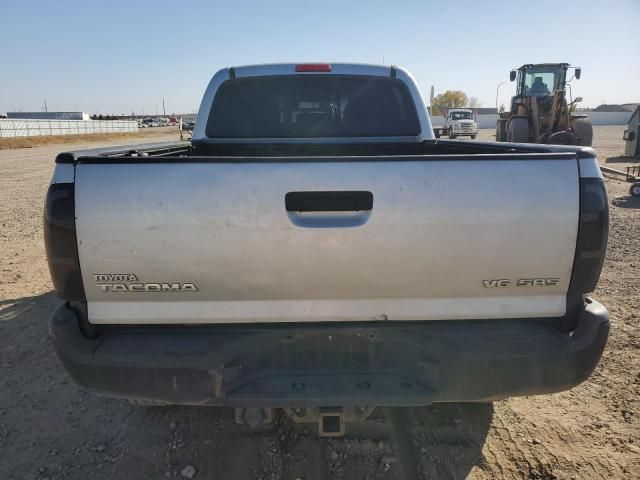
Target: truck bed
212	151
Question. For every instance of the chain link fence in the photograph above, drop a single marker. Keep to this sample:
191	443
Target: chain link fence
11	127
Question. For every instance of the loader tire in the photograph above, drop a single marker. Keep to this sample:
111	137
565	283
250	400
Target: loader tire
583	130
501	131
518	130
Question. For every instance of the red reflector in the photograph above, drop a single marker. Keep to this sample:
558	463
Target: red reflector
313	67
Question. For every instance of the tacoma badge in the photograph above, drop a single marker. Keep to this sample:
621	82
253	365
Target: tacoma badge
128	282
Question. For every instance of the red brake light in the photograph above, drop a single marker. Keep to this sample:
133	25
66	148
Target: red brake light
593	232
60	241
313	67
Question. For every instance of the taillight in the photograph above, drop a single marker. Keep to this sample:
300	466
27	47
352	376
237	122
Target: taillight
313	67
60	241
593	232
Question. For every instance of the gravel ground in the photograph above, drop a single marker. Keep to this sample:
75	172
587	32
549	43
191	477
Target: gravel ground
51	429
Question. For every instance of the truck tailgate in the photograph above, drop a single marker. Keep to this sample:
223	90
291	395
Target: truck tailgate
197	241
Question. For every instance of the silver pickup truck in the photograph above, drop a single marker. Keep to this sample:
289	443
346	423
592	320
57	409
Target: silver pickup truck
315	246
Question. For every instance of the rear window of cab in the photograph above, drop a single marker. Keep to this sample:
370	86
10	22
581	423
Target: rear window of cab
312	106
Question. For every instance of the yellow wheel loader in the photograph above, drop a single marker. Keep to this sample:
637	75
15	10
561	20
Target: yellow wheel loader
540	112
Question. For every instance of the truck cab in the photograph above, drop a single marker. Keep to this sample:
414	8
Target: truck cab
458	122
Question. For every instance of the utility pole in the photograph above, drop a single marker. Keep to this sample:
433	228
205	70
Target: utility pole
164	113
498	90
44	108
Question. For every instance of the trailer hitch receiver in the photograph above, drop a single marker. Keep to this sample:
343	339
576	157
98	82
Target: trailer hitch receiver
331	424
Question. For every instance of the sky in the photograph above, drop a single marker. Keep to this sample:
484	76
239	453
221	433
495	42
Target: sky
124	56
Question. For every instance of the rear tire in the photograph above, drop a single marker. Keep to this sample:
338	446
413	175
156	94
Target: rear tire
583	130
518	130
635	190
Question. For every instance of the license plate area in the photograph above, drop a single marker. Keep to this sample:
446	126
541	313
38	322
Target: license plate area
345	366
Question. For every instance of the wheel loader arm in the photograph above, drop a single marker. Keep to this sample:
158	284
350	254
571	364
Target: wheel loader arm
534	120
551	125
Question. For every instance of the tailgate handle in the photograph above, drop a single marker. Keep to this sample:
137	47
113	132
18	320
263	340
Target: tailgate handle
336	201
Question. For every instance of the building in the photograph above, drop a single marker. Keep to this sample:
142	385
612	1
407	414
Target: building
49	115
625	107
484	110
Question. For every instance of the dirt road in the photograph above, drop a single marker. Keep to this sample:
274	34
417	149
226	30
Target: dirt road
51	429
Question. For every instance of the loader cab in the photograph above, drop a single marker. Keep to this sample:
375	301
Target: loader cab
544	84
541	80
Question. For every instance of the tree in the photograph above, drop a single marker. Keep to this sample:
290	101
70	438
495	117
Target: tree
447	100
473	102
